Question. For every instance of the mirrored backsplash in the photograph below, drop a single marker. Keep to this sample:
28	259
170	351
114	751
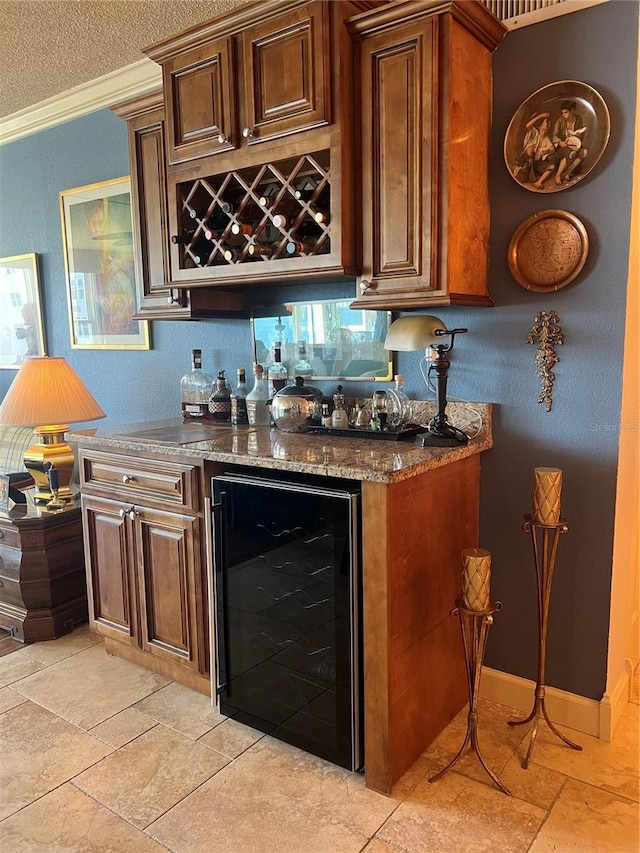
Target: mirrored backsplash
324	339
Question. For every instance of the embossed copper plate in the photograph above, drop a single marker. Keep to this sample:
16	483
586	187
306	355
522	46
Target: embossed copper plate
548	250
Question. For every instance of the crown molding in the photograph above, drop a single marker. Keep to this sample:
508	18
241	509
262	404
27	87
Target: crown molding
136	79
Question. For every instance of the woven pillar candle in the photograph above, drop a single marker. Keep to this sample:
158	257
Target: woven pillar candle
547	485
476	578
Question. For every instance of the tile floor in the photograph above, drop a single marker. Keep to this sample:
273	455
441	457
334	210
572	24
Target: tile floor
99	755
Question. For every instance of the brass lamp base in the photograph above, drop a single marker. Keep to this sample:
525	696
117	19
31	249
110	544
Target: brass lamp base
52	451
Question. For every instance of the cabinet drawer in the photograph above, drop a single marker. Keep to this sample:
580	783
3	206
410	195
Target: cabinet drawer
130	479
9	537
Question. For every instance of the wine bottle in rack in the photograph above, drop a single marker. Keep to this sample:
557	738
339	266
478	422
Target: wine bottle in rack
184	238
260	250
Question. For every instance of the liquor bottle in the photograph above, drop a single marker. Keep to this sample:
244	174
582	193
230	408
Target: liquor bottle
400	403
339	416
303	366
379	411
277	371
239	400
257	398
195	389
220	400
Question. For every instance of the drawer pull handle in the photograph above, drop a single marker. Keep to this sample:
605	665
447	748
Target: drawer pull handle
1	534
127	478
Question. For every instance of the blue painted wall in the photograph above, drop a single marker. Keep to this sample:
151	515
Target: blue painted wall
491	363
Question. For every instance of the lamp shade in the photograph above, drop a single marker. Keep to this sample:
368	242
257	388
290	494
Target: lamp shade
48	391
413	333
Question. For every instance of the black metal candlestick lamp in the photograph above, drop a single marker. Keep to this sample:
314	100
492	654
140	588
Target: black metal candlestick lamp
419	331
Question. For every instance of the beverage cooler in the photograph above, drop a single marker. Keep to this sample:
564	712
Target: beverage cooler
288	602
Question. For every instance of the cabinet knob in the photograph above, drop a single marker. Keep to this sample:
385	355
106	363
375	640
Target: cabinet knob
223	139
133	514
122	513
173	298
127	478
367	285
247	132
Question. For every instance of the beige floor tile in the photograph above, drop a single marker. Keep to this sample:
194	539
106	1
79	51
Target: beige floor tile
587	820
231	738
9	699
17	666
150	775
376	845
52	651
613	766
67	820
39	752
89	687
537	784
123	727
457	813
188	712
276	799
496	741
635	686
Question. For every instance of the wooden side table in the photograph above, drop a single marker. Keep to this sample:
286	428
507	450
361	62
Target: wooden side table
43	589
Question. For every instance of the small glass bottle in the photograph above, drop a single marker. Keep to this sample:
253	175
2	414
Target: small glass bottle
379	411
340	417
326	417
257	399
277	371
303	366
400	404
195	389
239	415
220	400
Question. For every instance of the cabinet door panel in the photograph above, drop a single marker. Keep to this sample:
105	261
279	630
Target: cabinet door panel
286	73
401	157
200	102
167	545
109	577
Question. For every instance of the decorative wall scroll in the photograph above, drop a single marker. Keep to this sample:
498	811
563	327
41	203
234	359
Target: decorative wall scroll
556	136
546	332
548	250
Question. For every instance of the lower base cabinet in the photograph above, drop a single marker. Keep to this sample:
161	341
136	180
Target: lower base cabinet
146	585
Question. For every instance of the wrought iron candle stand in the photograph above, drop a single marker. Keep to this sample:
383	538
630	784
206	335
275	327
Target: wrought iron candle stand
544	540
474	625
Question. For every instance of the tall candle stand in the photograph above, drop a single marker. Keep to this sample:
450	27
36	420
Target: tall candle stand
544	540
474	625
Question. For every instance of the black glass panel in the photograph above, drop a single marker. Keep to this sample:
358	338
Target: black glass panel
288	650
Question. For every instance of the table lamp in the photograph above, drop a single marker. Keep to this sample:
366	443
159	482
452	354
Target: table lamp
48	395
419	331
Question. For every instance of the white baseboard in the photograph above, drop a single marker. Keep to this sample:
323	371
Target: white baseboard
566	709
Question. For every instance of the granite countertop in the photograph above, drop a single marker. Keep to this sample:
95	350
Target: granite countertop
355	458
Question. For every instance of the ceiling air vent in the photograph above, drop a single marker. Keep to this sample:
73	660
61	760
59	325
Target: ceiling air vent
507	9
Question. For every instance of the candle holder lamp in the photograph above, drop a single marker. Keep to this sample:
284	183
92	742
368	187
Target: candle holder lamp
48	395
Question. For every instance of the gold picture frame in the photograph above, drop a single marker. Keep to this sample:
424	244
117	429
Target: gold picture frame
21	328
97	239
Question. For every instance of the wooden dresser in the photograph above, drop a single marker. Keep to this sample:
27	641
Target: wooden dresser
43	590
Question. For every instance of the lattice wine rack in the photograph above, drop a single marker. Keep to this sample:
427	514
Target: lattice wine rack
257	214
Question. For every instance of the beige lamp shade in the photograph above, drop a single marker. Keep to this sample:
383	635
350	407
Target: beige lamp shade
48	391
418	331
48	394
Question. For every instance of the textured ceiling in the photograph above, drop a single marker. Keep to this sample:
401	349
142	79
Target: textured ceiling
47	47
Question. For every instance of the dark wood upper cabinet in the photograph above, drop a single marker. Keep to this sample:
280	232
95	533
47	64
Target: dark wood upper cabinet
424	79
242	83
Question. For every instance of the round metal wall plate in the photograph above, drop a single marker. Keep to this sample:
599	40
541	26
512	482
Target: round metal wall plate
548	250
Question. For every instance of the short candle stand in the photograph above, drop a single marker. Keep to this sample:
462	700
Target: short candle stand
474	625
544	539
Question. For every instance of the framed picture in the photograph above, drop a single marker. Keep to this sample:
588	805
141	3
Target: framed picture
97	238
21	328
556	136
